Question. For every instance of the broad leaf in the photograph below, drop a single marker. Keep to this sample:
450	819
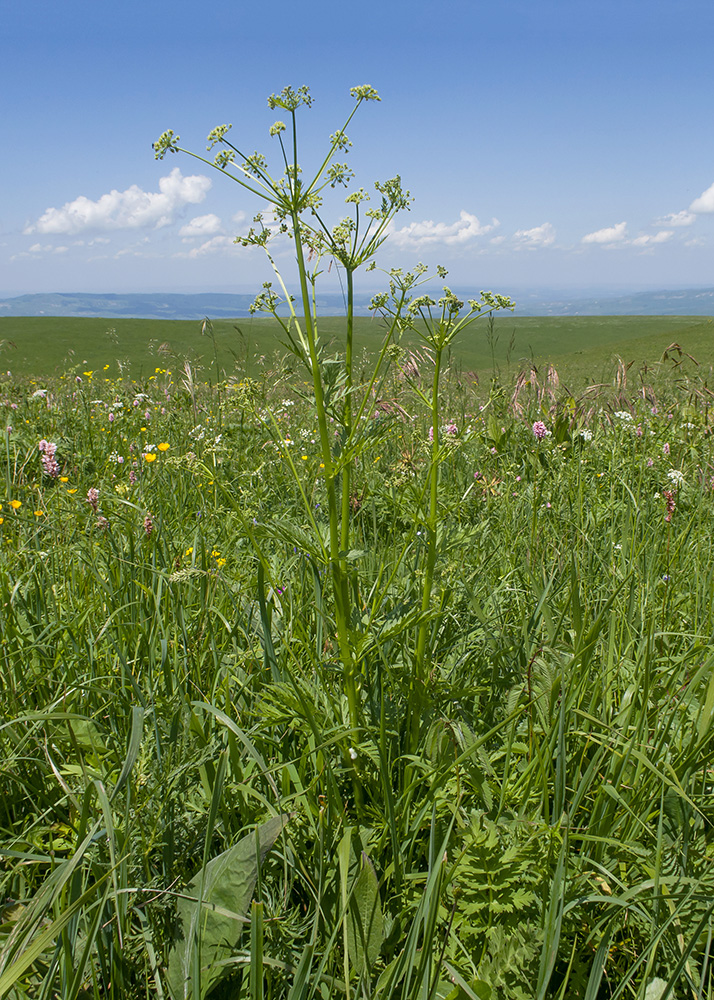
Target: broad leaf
365	922
216	922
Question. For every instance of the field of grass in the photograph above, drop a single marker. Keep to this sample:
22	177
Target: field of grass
581	348
512	793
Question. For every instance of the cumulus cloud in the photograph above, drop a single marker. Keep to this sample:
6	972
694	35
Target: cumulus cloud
683	218
661	237
217	244
611	234
130	209
704	203
428	233
539	236
201	226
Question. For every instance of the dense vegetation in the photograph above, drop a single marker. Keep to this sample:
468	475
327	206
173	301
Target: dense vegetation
353	677
170	682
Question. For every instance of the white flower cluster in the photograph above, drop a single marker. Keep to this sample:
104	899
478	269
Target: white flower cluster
676	477
623	415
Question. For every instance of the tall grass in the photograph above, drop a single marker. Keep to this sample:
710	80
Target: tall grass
171	684
340	681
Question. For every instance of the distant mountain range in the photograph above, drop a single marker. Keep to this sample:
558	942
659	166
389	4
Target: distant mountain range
170	306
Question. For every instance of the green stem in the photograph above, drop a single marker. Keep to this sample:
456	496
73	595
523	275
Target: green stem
337	565
347	416
419	679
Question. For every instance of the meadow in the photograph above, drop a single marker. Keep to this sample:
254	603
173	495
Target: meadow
352	671
171	685
582	348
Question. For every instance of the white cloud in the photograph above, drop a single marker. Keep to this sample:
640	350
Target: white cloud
704	203
540	236
683	218
428	233
215	245
201	226
611	234
661	237
39	248
130	209
238	217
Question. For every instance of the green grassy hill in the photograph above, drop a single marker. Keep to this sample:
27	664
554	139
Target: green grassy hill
580	347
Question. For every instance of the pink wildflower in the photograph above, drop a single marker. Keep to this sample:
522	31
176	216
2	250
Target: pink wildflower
148	525
49	462
665	448
540	431
93	498
669	496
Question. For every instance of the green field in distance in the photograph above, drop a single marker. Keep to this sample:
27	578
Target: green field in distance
582	348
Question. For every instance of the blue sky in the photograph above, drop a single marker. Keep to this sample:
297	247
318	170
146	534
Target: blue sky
561	144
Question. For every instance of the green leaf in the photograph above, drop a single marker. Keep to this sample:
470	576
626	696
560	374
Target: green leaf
228	884
365	922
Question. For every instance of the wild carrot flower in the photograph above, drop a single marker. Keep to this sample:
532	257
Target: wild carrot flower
540	431
93	498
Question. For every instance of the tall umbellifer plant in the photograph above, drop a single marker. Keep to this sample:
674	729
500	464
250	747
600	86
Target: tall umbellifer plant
294	206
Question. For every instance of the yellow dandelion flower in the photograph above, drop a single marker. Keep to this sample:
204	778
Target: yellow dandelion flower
149	457
163	446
